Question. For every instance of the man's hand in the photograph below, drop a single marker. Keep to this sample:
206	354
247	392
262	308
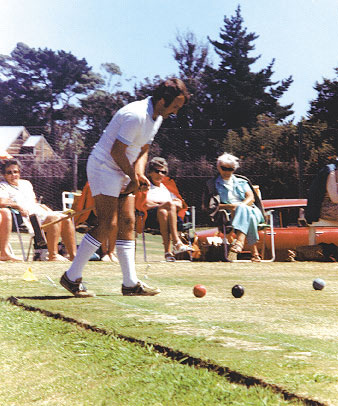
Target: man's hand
132	187
144	183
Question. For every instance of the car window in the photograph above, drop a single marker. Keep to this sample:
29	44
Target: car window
288	217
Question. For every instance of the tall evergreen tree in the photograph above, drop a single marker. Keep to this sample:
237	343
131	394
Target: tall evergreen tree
237	95
325	109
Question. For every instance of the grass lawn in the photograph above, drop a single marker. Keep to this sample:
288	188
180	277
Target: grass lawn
281	331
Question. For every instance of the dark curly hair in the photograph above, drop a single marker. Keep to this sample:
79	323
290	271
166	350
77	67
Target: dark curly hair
8	163
169	90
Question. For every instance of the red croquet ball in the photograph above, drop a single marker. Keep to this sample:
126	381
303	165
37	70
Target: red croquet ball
199	290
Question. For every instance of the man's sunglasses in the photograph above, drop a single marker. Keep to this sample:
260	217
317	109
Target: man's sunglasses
12	172
160	171
226	168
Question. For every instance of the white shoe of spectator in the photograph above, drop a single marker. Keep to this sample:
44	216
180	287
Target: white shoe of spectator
179	247
109	258
59	257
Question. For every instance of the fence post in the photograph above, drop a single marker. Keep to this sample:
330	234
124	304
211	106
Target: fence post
300	160
75	171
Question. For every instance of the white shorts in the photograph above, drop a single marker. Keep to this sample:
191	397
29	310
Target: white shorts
105	180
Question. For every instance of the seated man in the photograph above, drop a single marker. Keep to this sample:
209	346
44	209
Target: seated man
235	195
18	194
322	200
163	205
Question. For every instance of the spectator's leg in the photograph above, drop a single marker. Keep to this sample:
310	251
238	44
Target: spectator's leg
111	245
163	221
5	232
53	234
171	209
68	237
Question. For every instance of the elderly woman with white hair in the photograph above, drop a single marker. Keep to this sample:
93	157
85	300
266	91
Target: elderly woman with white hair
235	194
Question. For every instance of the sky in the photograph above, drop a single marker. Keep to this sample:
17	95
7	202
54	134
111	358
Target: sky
301	35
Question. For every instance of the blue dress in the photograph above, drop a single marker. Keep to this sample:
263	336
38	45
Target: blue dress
246	218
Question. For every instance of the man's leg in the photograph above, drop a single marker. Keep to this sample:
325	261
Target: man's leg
125	243
106	209
125	250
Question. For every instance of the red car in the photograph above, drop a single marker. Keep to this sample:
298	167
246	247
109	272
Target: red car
290	229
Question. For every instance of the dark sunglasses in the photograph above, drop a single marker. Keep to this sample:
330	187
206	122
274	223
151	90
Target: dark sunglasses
160	171
12	172
226	168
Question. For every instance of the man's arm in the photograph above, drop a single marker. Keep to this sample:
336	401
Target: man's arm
118	153
140	167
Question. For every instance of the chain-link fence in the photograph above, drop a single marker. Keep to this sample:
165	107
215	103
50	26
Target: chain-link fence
275	168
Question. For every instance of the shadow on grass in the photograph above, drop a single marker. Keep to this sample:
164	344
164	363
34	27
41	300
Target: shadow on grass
59	297
46	297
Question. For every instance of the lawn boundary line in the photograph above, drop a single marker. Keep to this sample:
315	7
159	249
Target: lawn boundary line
175	355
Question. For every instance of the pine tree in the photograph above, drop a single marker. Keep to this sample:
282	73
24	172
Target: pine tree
237	95
324	109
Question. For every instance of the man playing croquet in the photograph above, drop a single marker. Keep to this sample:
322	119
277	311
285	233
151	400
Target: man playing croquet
115	170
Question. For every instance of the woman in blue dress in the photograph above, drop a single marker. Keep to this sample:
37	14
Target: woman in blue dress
235	194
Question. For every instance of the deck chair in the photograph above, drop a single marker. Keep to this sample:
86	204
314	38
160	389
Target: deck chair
225	228
221	218
185	227
16	228
33	228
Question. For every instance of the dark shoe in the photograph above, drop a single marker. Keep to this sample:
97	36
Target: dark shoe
141	289
77	288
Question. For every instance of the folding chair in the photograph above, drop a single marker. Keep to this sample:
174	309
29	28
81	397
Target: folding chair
68	200
225	225
67	203
188	226
15	213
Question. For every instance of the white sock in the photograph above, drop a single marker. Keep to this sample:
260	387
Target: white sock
125	252
86	249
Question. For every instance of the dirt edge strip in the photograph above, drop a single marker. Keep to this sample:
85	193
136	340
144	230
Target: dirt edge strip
183	358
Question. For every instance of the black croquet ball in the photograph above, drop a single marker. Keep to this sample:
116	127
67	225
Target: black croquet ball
237	291
318	284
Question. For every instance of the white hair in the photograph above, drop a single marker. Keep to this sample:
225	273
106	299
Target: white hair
229	160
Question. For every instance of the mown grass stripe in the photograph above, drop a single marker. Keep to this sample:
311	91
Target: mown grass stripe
175	355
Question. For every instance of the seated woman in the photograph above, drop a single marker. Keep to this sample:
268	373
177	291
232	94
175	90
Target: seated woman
18	194
235	194
162	205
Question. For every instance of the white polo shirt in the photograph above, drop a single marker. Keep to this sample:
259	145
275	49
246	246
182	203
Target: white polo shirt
134	126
